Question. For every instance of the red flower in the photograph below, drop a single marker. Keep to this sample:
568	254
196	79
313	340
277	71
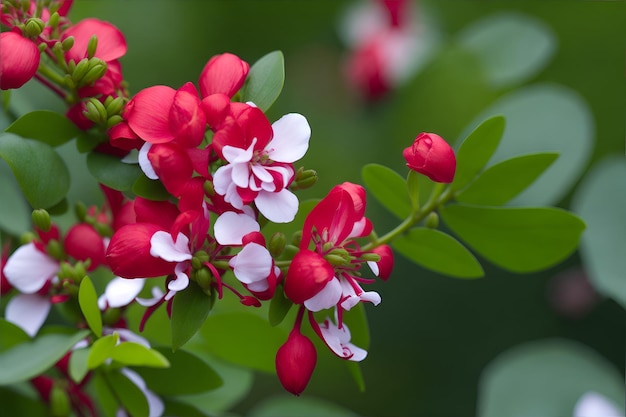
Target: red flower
223	74
295	362
19	60
431	155
111	42
83	242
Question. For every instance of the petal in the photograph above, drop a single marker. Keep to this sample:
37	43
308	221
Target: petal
291	138
163	246
28	269
592	404
155	404
241	174
222	179
111	42
157	295
253	263
280	207
120	292
231	227
148	113
182	280
233	154
144	162
326	298
28	311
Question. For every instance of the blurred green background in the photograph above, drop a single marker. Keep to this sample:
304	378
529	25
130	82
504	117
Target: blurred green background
432	336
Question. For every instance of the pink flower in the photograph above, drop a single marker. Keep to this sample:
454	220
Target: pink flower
223	74
111	41
431	155
19	60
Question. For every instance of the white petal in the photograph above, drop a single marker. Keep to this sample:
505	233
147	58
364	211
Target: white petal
374	267
231	227
291	138
222	179
253	263
280	207
327	298
121	291
144	162
592	404
338	340
28	269
182	280
371	296
259	286
157	295
162	246
284	172
241	174
261	173
28	311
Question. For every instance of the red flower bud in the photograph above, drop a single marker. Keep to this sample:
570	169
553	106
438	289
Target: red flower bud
83	242
19	60
385	265
295	362
223	74
431	155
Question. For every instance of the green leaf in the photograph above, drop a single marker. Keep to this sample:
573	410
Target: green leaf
476	150
413	188
284	406
14	210
439	252
546	378
518	239
78	367
112	172
601	201
512	47
12	335
101	350
136	354
106	397
388	187
190	309
44	126
183	364
265	80
128	394
20	404
27	360
40	172
177	408
243	338
150	189
88	300
279	307
503	181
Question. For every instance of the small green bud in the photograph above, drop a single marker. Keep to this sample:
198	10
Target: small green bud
291	250
204	278
277	244
66	271
304	179
94	73
81	69
81	211
111	316
67	43
80	270
327	246
92	46
59	402
95	111
208	188
341	253
42	47
113	120
296	238
55	250
370	257
41	219
115	106
432	220
34	26
53	22
69	82
103	229
335	260
27	237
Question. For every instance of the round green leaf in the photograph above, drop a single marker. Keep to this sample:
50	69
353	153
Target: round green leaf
244	339
183	364
112	172
389	188
518	239
511	47
265	80
601	201
476	150
136	354
545	118
88	300
503	181
189	310
40	172
45	126
27	360
439	252
545	378
284	406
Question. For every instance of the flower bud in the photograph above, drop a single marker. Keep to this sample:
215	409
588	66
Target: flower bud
95	111
432	221
92	45
80	70
83	242
114	106
67	43
277	244
41	219
97	69
19	60
304	179
431	155
295	362
34	26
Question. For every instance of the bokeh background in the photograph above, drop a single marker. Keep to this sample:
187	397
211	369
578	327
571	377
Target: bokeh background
433	336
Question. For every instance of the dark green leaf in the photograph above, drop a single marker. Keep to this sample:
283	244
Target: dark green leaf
12	335
106	398
244	339
518	239
283	406
265	80
101	350
150	189
388	187
78	364
439	252
27	360
183	364
21	405
40	172
14	209
177	408
88	300
112	172
279	307
413	188
189	310
136	354
503	181
45	126
476	150
129	395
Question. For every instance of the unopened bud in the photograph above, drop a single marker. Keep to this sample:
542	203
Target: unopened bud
295	362
33	28
113	120
27	237
80	270
296	238
81	69
114	106
204	278
67	43
53	22
370	257
208	188
92	46
111	316
59	402
277	244
432	221
103	229
95	111
55	249
96	71
81	211
304	179
66	271
41	219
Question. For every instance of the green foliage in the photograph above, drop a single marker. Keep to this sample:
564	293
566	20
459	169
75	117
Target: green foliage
45	126
279	307
149	189
518	239
388	187
27	360
88	300
112	172
503	181
127	393
12	335
40	172
189	310
101	350
136	354
78	367
284	406
439	252
265	80
14	209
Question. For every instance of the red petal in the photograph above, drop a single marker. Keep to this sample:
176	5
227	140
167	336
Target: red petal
223	74
148	113
308	273
82	242
295	362
19	60
111	42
